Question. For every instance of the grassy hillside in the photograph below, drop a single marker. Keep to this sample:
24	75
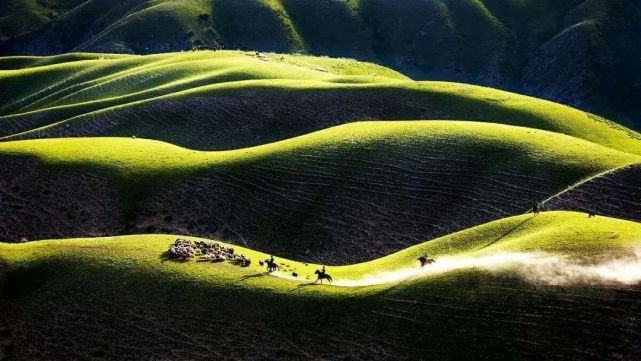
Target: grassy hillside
347	193
44	82
112	297
21	17
222	100
581	53
125	126
616	193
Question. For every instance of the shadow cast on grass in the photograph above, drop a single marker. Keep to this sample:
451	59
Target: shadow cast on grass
512	230
255	275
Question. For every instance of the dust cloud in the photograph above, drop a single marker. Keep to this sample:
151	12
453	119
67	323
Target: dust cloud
536	268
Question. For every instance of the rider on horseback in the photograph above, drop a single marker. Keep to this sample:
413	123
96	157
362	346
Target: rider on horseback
536	208
322	275
425	259
271	264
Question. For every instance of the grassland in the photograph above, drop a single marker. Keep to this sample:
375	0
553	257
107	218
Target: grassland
568	234
107	157
352	192
74	295
144	156
20	17
580	53
72	79
222	100
614	193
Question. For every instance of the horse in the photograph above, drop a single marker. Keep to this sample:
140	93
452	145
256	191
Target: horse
271	265
425	260
536	208
323	276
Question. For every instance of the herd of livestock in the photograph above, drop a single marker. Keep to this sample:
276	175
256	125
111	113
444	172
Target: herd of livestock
183	249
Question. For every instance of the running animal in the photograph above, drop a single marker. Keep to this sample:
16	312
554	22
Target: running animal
426	260
321	275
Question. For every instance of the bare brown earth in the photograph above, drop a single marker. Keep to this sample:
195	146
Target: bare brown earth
616	194
330	205
127	315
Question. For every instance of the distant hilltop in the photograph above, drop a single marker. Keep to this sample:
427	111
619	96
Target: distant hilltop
580	53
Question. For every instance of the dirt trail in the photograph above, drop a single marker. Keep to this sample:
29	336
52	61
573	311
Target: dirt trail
537	268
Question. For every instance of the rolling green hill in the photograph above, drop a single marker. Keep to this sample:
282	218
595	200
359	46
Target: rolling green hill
348	193
581	53
24	16
127	126
121	298
222	100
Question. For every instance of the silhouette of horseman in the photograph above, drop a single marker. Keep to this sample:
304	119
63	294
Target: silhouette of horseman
536	208
322	275
425	259
271	264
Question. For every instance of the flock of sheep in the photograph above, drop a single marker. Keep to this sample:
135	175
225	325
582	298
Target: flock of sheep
183	249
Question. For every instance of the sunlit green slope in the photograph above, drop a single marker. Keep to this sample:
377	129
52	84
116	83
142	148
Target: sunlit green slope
221	100
581	53
567	234
114	295
348	193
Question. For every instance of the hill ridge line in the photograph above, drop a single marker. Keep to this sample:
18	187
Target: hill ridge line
586	180
459	123
206	87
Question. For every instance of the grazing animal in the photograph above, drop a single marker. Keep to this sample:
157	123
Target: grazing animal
242	261
321	275
294	274
271	265
591	214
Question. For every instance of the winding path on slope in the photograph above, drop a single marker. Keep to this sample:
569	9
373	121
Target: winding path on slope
615	193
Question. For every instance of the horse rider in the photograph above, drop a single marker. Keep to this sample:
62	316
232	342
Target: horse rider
536	208
423	259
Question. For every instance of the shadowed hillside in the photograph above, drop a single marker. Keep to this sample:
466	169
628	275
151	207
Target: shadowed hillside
615	194
348	193
320	180
21	17
122	298
222	100
582	53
